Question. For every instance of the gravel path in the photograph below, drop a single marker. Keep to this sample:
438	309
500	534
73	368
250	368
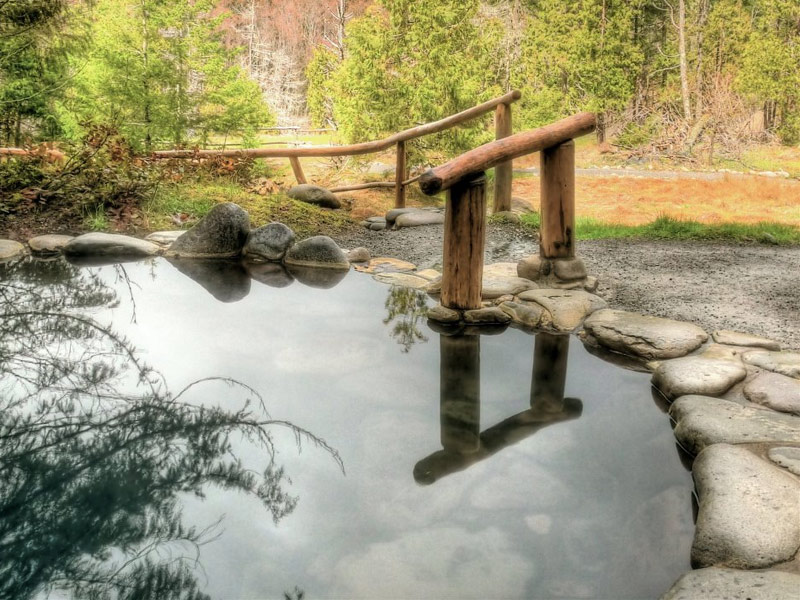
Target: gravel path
749	288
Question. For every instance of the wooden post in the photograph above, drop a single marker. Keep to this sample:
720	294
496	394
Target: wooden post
297	169
464	232
400	175
557	232
502	172
549	376
460	392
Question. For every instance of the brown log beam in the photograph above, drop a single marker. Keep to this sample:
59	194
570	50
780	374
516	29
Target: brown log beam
297	169
557	211
503	171
353	149
400	174
373	184
489	155
464	233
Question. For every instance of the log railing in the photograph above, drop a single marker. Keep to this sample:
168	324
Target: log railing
501	106
465	214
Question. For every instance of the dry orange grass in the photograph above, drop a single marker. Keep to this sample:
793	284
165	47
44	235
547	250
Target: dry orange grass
635	201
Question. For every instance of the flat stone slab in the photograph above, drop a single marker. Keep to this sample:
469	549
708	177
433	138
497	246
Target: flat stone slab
567	308
392	214
785	363
774	391
494	286
10	249
701	421
501	269
787	457
715	583
486	316
748	510
222	233
735	338
443	315
408	280
528	315
109	245
314	194
429	274
49	244
386	265
642	335
164	238
697	375
418	218
318	252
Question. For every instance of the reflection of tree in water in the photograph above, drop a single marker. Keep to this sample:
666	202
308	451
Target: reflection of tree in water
406	306
94	450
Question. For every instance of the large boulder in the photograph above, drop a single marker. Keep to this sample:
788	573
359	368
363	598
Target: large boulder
697	375
701	421
226	280
775	391
748	510
319	252
222	233
313	194
785	363
48	245
419	218
109	245
269	242
715	583
567	308
9	249
642	335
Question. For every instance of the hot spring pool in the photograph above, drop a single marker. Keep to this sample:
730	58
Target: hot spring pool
464	473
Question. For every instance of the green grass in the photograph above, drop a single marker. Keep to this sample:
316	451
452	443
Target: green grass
667	228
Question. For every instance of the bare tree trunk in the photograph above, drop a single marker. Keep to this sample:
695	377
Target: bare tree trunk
702	17
687	107
148	141
18	131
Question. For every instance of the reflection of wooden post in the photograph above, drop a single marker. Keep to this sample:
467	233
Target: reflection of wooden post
400	175
460	392
297	169
502	172
557	232
464	231
549	372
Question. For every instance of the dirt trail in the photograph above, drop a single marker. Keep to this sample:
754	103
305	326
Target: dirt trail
749	288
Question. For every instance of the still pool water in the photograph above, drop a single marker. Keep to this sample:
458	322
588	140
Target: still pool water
455	467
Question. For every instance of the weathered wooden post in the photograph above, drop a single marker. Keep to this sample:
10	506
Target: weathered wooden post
464	233
297	169
557	233
503	171
460	393
400	175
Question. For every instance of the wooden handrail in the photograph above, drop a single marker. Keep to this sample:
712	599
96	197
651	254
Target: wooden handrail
487	156
352	149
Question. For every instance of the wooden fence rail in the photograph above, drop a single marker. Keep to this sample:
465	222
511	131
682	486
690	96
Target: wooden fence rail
465	213
501	105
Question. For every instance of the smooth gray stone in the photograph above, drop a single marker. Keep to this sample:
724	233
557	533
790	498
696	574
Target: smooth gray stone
775	391
567	308
590	284
392	214
494	286
701	421
531	267
735	338
443	315
785	363
315	277
359	254
9	249
714	583
486	316
49	244
226	280
787	457
314	194
98	244
642	335
319	252
525	315
418	218
269	242
222	233
376	220
697	375
748	510
269	273
501	269
377	226
165	238
569	269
